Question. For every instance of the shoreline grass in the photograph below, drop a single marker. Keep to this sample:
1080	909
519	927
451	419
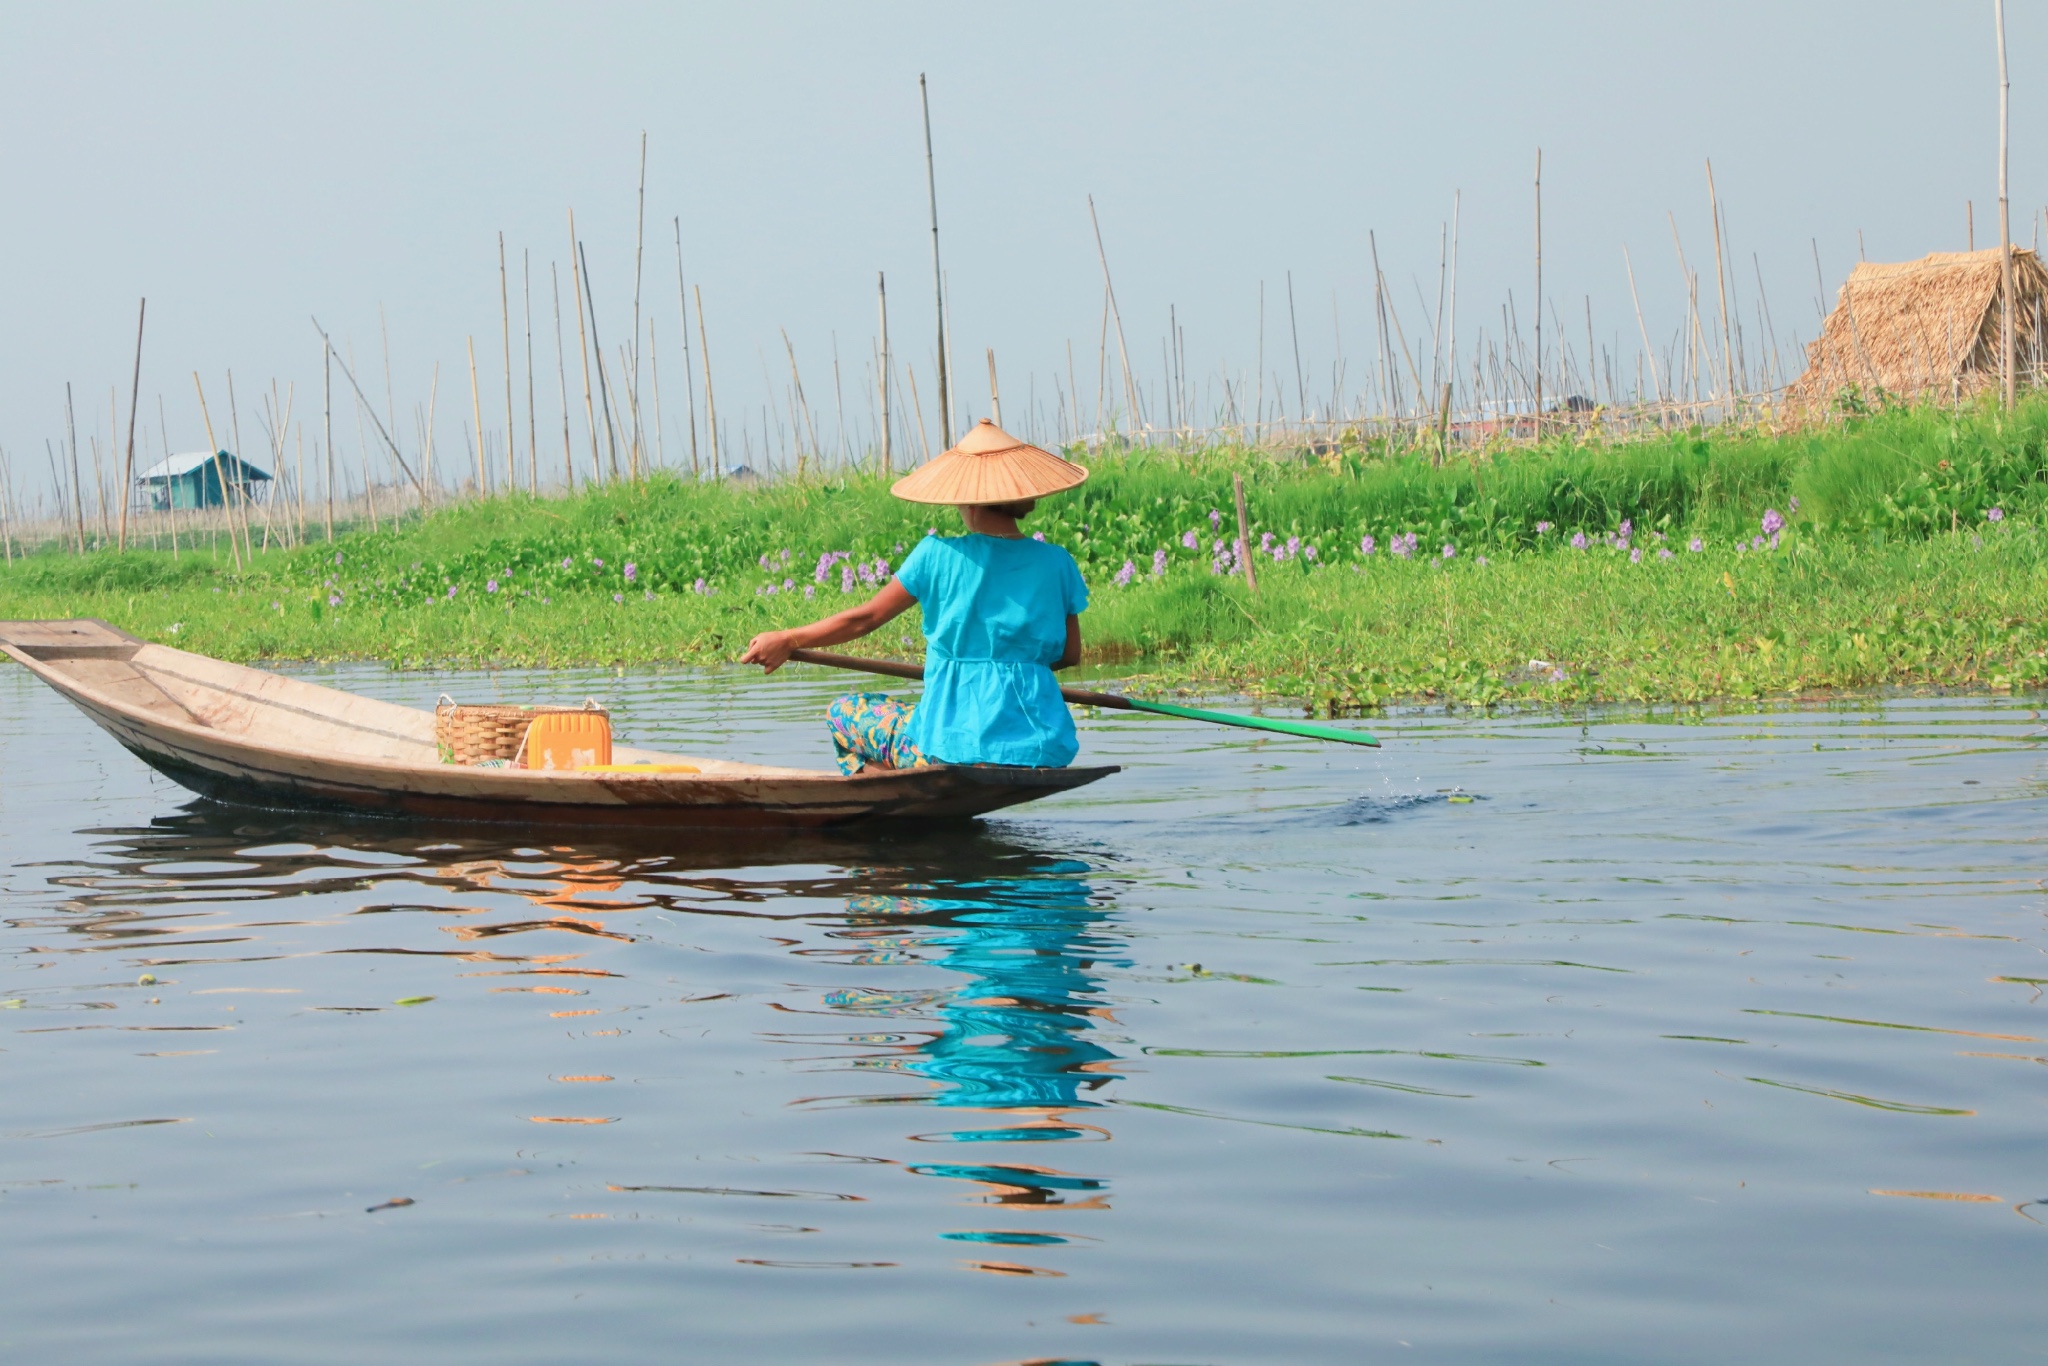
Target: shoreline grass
1901	549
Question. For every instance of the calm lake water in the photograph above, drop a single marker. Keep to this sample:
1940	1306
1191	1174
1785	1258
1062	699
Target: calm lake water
1526	1039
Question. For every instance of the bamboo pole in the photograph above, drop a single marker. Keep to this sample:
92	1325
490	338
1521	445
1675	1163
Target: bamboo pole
71	439
882	303
710	403
1537	369
213	460
327	433
1721	283
689	374
1123	351
163	436
505	330
532	419
1244	534
931	185
483	486
637	455
1293	328
362	403
562	384
2007	338
134	396
578	283
995	394
604	390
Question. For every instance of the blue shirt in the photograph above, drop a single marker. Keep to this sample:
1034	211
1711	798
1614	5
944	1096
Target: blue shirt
995	619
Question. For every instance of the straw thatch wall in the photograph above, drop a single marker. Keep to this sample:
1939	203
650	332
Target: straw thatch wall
1925	329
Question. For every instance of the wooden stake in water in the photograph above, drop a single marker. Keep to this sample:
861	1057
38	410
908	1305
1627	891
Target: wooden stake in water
1123	351
995	394
134	396
604	390
71	441
578	283
532	420
1244	535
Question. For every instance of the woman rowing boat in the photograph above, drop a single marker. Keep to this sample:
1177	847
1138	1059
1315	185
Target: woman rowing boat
1001	612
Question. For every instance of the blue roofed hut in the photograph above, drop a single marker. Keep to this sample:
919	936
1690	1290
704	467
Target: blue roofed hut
202	479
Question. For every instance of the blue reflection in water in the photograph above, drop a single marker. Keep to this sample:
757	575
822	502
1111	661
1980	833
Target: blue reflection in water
1015	1036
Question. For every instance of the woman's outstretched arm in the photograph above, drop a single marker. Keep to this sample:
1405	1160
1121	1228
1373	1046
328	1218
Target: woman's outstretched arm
771	649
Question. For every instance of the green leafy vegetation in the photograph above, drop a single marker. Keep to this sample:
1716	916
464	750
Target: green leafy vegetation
1900	548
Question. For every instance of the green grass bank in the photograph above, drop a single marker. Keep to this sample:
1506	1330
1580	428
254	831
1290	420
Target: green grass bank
1901	548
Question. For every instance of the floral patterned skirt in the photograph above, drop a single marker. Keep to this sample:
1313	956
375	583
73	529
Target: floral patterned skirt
872	728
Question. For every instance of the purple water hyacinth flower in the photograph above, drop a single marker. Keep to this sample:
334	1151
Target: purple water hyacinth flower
1038	535
1772	523
1774	540
1635	556
701	587
899	548
1399	546
1450	551
337	557
1479	559
785	554
763	562
1126	574
1794	504
810	591
649	594
1310	553
1367	545
846	578
1626	529
1995	515
1579	540
451	591
568	563
1265	540
334	599
490	585
1191	540
788	585
599	563
1664	554
1215	520
1741	547
1159	564
632	571
1696	545
881	567
618	597
931	531
1542	527
1756	543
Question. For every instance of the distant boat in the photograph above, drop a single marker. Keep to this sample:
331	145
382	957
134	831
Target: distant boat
246	737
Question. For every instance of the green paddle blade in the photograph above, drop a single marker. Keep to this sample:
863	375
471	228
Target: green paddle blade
1307	730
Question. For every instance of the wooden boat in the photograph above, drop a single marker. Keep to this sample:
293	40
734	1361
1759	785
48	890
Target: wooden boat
250	738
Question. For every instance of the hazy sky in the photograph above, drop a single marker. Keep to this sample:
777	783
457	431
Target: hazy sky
246	167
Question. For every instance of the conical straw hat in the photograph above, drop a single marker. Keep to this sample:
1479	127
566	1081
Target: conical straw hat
989	466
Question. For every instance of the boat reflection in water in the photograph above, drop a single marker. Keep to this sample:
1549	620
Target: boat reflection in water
984	953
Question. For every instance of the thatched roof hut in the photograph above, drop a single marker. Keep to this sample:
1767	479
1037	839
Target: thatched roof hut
1925	329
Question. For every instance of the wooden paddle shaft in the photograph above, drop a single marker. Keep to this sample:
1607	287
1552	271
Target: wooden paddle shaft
889	668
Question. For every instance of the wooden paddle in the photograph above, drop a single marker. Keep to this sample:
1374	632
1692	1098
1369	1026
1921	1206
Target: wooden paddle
1115	701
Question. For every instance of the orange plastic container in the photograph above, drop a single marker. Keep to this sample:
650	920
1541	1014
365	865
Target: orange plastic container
569	740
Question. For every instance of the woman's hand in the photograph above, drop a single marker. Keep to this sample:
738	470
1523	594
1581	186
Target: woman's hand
770	649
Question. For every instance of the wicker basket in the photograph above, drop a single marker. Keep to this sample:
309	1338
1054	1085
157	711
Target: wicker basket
485	732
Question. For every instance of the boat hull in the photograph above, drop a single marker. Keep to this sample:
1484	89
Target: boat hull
250	738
